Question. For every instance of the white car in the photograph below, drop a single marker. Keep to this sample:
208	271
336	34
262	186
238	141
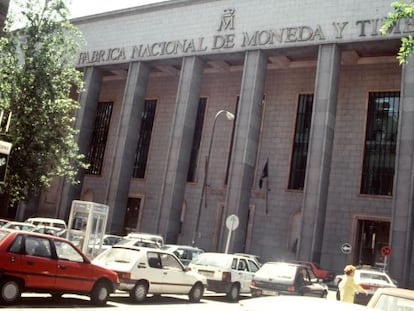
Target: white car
145	271
185	253
226	273
392	299
370	279
19	225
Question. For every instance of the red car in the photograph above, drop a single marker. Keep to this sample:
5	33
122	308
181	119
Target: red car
34	262
319	273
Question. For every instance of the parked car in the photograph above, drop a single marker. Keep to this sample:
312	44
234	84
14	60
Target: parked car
108	241
18	225
146	236
34	262
281	278
226	273
319	273
50	230
370	279
3	222
145	271
138	242
184	252
392	299
48	222
296	303
251	256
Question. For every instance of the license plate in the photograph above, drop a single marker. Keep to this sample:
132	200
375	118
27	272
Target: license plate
270	293
206	273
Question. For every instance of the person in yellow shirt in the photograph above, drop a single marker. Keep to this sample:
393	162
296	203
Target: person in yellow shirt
348	287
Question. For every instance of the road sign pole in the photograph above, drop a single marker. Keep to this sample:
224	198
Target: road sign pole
228	242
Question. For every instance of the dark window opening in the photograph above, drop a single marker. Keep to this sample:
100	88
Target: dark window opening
144	140
198	130
132	215
380	143
301	142
97	146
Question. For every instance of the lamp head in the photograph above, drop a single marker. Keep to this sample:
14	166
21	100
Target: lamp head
229	115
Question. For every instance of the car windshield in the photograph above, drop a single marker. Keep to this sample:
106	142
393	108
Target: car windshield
213	259
392	303
122	255
277	271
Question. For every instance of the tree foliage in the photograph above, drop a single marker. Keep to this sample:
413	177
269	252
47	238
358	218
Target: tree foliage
37	78
402	10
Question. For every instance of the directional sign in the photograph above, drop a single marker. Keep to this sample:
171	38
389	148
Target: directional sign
346	248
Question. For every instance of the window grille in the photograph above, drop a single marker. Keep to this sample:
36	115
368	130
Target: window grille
144	140
97	146
301	142
380	143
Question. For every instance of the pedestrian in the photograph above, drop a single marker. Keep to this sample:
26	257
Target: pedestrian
348	287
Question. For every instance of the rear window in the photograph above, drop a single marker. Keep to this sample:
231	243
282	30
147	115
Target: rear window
373	278
121	255
277	271
213	259
393	303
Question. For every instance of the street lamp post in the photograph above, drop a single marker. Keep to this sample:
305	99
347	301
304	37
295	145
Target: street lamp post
230	117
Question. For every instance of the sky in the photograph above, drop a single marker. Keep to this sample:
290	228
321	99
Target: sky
89	7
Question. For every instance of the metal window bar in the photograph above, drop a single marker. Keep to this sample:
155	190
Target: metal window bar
301	142
198	130
144	140
380	143
97	146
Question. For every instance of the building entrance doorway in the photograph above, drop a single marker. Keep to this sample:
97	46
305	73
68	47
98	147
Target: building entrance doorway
132	215
371	236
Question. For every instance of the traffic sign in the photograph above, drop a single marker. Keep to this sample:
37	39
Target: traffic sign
232	222
385	251
346	248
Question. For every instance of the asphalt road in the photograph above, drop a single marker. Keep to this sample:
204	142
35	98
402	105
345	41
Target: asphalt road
121	301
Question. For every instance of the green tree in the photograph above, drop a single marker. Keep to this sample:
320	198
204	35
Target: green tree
402	10
37	78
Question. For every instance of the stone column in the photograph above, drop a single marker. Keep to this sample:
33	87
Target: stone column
245	147
126	143
85	119
319	153
179	151
403	196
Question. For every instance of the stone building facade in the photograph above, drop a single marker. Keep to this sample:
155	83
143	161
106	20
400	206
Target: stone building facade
323	118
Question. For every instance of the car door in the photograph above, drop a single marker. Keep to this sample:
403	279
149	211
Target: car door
243	275
154	273
73	272
308	287
37	262
175	279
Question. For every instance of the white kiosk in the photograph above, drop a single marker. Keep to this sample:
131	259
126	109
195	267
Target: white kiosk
87	226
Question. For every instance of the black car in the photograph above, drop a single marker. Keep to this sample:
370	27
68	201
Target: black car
280	278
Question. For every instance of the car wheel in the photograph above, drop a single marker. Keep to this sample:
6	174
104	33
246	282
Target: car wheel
196	292
139	292
324	294
100	294
10	291
234	292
